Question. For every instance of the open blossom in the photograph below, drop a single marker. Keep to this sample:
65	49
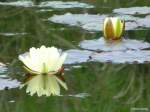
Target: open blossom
45	70
113	28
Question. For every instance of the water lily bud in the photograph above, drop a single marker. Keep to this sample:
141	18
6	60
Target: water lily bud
44	67
113	28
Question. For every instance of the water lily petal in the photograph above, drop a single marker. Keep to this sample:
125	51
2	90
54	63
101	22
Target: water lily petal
60	61
108	29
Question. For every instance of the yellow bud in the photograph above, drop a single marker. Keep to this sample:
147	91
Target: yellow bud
113	28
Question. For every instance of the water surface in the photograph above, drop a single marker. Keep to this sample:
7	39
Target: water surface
95	85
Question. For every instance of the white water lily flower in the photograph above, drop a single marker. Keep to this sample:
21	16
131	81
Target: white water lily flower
45	67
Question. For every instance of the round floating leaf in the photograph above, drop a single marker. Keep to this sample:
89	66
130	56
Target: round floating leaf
129	56
90	22
102	45
133	10
63	5
77	56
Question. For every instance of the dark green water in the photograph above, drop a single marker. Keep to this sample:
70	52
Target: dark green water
101	87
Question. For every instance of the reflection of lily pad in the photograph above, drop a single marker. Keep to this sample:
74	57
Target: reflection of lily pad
61	4
80	95
89	21
77	56
18	3
12	34
133	10
125	44
130	56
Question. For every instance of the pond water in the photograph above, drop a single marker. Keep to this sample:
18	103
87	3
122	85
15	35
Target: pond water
101	77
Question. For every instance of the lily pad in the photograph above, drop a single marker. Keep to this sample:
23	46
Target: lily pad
51	4
8	83
101	45
144	22
63	5
18	3
97	26
90	22
133	10
5	81
129	56
77	56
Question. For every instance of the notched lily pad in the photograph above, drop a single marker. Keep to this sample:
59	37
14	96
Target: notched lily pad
130	56
133	10
77	56
102	45
90	22
63	5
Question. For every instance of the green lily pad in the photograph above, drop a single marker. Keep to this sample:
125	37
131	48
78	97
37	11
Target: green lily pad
126	44
77	56
129	56
119	57
144	22
8	83
90	22
133	10
5	81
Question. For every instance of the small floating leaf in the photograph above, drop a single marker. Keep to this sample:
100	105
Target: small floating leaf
8	83
133	10
102	45
5	81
